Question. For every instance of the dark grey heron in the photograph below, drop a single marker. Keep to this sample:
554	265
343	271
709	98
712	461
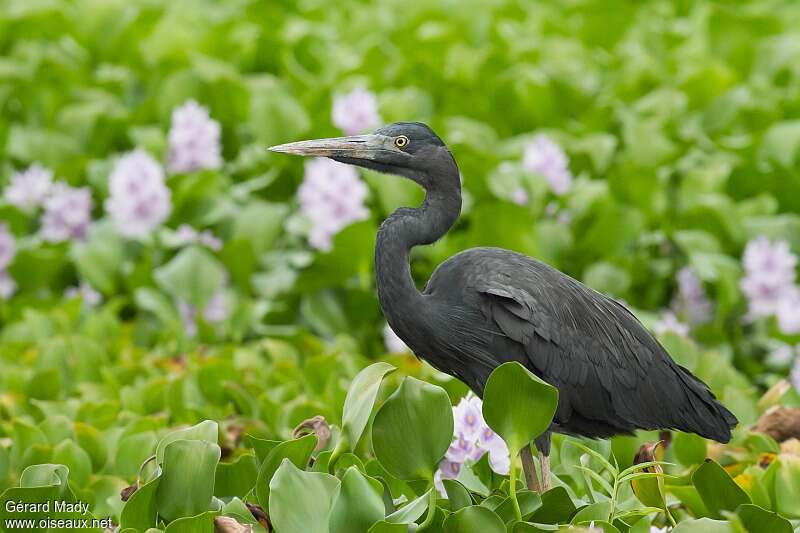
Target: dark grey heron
486	306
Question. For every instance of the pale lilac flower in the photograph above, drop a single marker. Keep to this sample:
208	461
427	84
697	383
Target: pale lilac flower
794	374
544	157
188	315
356	111
519	196
7	285
446	470
392	342
788	311
186	234
691	300
29	188
8	246
139	200
769	273
668	322
194	139
86	292
67	213
782	355
594	529
472	439
332	197
217	309
654	529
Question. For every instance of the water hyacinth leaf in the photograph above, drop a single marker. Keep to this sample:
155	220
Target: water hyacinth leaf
413	429
474	519
596	511
75	459
206	430
301	501
358	505
787	487
298	451
528	501
261	447
457	494
141	510
360	399
717	488
758	520
201	523
187	478
703	525
517	405
411	511
557	507
193	275
236	478
387	527
690	449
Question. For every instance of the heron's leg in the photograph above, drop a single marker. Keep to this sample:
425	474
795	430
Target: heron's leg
531	479
544	461
543	447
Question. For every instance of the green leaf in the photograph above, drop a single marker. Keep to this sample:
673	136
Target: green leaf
596	511
358	505
301	501
360	400
207	430
201	523
298	451
690	449
517	405
236	478
76	459
262	447
411	511
457	494
413	429
193	275
387	527
703	525
787	488
141	509
758	520
99	258
187	478
718	490
557	507
474	519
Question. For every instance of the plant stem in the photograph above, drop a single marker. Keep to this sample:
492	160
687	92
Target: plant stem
431	508
512	484
669	515
613	498
338	450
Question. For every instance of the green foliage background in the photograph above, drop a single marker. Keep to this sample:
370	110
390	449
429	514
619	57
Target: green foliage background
681	120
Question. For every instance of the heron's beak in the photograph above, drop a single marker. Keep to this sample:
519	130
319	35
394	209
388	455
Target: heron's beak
365	147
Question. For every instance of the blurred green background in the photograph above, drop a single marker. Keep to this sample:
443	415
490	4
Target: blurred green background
680	121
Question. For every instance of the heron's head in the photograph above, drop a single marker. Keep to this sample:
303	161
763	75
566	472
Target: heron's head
409	149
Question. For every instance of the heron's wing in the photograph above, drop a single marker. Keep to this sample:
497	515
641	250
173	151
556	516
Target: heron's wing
606	364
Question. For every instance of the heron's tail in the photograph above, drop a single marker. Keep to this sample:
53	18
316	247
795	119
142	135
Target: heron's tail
707	416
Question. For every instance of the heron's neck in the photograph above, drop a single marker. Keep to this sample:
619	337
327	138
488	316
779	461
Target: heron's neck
403	230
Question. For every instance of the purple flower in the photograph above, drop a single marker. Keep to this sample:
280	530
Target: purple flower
194	139
472	439
691	300
668	322
519	196
7	285
788	311
186	234
138	200
29	188
84	291
769	273
782	355
544	157
393	343
356	111
188	315
794	374
216	310
8	246
67	213
331	197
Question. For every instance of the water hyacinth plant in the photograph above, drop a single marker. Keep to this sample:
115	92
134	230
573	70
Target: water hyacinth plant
190	338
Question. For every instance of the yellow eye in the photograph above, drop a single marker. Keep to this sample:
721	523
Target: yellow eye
401	141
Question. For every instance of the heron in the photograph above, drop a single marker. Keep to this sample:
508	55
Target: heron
486	306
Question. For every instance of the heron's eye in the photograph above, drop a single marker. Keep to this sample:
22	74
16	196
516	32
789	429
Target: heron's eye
401	141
